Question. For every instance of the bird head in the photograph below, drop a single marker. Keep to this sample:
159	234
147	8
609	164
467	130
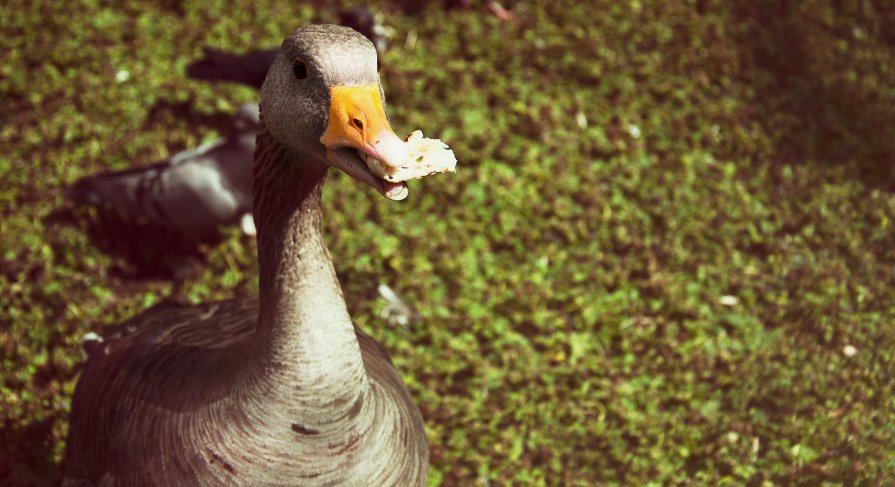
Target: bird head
323	97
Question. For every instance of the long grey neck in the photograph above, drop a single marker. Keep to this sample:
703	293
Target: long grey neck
305	342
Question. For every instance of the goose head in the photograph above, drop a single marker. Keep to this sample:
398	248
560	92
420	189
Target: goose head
322	98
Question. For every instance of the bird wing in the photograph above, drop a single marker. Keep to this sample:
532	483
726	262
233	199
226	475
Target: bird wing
196	195
121	189
205	336
136	360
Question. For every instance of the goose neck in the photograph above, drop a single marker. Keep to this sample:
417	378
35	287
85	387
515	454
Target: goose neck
305	338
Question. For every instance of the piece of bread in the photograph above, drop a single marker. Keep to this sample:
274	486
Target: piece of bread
427	157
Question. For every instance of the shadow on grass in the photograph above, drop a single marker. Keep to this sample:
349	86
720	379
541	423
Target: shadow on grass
163	111
143	251
820	82
26	455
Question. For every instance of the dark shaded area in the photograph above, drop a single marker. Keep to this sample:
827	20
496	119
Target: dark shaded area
26	454
843	119
411	7
163	111
145	251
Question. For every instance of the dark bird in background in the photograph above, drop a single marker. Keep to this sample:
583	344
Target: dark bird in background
251	67
415	7
363	21
193	192
248	68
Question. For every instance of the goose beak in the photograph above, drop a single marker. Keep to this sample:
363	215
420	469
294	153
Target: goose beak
358	127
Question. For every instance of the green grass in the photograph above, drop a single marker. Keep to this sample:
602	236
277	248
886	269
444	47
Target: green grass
671	226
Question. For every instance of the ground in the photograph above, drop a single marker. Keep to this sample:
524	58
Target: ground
666	258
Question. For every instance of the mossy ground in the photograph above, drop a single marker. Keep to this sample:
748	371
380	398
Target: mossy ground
667	256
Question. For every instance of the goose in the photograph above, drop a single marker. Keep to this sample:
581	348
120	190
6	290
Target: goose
282	389
193	192
250	68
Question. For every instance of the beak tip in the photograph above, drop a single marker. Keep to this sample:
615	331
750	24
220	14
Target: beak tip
396	192
390	149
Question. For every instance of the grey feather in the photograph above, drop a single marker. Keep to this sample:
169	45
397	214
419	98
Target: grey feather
193	192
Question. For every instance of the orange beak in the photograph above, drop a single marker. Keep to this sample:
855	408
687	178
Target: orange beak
357	122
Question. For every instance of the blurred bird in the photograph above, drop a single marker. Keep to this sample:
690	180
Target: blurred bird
248	69
363	21
193	192
251	67
413	7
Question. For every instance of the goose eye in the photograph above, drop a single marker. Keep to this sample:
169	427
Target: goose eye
300	69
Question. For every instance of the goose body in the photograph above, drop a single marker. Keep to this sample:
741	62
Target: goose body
282	390
193	192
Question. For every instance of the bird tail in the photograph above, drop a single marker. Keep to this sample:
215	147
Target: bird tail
213	66
124	190
249	68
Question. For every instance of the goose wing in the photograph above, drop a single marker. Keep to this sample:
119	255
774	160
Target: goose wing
136	370
149	353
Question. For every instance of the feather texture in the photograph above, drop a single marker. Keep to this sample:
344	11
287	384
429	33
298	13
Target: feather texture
278	391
